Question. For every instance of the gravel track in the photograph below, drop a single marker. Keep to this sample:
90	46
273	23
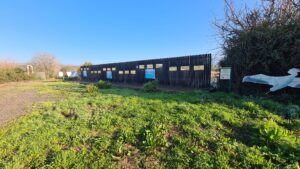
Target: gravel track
16	99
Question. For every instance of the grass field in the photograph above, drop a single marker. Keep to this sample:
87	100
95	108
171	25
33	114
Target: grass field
125	128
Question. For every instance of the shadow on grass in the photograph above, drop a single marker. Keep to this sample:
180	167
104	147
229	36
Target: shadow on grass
231	100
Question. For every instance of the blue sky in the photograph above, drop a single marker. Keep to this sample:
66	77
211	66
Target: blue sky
105	31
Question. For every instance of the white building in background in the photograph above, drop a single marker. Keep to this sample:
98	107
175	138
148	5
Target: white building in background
60	74
74	74
69	74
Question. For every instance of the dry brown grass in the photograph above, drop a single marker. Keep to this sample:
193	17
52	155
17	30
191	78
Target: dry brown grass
7	64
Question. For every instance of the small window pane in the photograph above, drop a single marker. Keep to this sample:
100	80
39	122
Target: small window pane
159	66
104	69
126	72
142	66
184	68
108	69
173	68
133	72
113	68
198	67
87	68
121	72
99	71
149	66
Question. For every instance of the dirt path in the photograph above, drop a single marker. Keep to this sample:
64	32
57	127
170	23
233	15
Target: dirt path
16	99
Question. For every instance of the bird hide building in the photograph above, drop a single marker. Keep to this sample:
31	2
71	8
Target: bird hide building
187	71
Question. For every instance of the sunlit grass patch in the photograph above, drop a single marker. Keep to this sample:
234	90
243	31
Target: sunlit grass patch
128	128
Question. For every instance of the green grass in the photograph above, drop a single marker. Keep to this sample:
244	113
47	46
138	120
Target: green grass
127	128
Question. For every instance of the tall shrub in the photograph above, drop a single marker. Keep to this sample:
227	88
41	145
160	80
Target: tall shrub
13	75
265	39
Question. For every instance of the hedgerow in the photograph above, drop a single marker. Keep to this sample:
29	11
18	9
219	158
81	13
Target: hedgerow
13	75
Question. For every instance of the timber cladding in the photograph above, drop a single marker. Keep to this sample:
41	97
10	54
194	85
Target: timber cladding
187	71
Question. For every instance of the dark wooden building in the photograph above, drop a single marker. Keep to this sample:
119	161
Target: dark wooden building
187	71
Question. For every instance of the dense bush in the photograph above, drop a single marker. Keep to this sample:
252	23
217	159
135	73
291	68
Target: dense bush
91	88
150	86
271	51
103	84
13	75
261	40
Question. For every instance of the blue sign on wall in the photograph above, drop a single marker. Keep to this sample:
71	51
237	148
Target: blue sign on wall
108	74
150	73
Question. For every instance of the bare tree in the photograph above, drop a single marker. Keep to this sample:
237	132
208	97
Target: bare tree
270	13
45	62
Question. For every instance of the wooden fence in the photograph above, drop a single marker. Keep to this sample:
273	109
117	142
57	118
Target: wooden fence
187	71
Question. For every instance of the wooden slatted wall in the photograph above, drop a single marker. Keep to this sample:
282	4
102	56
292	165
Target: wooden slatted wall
187	71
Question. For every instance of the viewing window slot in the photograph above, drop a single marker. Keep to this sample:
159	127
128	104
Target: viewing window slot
172	68
198	67
159	66
149	66
185	68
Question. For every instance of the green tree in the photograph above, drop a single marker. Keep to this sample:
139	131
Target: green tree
87	63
